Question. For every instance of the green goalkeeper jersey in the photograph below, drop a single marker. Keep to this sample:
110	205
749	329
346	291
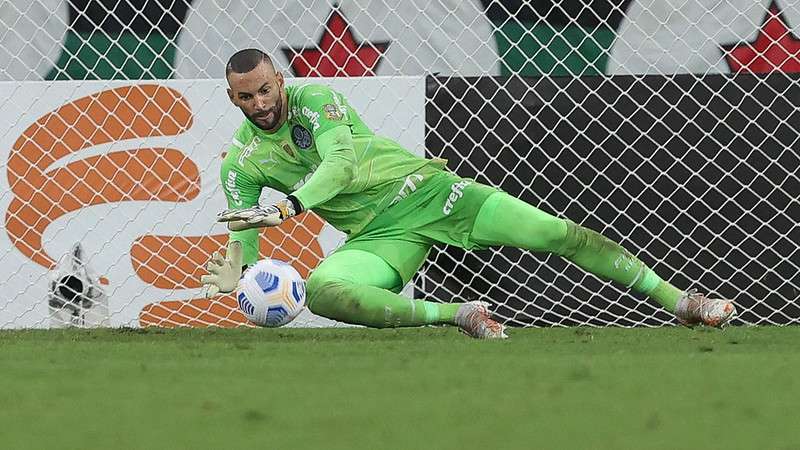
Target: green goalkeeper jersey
327	158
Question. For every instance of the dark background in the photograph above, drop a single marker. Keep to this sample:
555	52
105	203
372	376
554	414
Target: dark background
586	13
697	175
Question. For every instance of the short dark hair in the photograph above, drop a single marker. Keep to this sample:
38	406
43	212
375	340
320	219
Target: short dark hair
246	60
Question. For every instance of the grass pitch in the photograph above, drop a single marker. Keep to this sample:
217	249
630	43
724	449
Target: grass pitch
426	388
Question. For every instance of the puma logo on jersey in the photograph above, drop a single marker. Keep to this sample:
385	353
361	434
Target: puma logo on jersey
456	192
248	150
305	179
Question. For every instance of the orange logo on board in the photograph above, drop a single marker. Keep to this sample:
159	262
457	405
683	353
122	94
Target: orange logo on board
42	195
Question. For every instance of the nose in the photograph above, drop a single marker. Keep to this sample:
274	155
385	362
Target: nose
261	102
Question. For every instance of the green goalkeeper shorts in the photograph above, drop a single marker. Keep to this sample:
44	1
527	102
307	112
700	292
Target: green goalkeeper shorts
441	209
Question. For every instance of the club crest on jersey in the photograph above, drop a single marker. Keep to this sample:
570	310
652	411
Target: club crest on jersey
301	137
332	112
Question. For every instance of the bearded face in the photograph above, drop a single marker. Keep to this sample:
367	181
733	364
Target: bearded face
259	95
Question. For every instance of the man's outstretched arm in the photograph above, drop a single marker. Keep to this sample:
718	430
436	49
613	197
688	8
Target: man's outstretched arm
224	272
333	175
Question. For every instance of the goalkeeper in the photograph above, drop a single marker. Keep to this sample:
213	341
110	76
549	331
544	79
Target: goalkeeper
307	142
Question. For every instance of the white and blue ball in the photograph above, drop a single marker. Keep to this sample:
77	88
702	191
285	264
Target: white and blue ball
271	293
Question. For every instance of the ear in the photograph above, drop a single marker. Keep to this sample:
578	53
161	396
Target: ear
230	96
279	79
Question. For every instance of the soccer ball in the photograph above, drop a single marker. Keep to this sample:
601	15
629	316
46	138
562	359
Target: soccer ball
271	293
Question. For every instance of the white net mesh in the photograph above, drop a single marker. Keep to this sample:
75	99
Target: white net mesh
670	127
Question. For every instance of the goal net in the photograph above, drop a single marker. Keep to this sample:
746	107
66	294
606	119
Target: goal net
671	127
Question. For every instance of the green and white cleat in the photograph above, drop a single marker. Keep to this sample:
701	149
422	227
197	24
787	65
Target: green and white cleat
475	319
695	308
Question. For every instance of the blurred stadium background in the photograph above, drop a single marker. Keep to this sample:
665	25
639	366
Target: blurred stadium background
669	126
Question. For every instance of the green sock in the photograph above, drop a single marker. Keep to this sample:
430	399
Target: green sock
375	307
608	260
447	312
666	294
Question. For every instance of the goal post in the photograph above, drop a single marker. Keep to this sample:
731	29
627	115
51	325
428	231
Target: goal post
670	128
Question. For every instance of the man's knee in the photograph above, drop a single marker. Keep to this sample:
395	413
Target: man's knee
570	243
337	299
580	238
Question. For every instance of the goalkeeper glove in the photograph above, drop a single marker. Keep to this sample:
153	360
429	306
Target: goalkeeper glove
258	217
223	273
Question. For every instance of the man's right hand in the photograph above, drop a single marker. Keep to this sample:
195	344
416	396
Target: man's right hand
223	273
257	216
